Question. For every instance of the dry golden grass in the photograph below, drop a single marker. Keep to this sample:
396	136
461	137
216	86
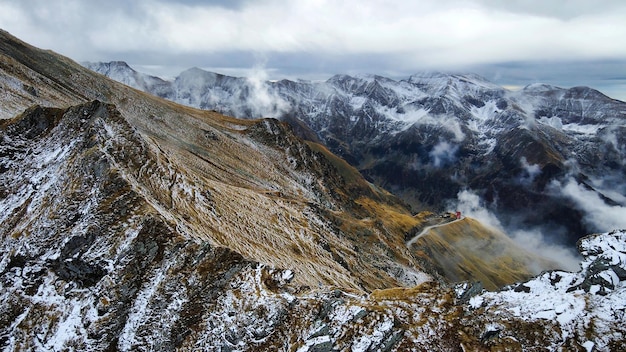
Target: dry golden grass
391	215
260	207
350	174
468	250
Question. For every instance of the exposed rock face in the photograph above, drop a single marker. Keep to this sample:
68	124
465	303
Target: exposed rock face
162	291
85	257
430	136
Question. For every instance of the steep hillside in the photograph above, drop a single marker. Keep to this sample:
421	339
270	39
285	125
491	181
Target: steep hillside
247	185
466	250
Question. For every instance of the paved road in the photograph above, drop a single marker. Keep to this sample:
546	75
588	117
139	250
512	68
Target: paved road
428	228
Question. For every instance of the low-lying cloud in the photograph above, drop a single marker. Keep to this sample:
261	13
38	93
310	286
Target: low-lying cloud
597	213
470	204
443	153
530	171
531	239
263	101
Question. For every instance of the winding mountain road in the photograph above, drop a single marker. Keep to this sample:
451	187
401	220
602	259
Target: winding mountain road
428	228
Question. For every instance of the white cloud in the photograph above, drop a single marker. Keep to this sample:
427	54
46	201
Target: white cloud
443	153
530	171
264	102
432	32
533	240
597	213
470	204
382	37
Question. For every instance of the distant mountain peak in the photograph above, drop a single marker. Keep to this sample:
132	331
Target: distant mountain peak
109	67
120	64
197	70
452	79
540	87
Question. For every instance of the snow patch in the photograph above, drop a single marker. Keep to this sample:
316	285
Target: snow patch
557	123
589	346
476	302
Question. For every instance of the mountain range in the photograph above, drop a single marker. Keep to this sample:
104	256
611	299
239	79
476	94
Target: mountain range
131	222
537	157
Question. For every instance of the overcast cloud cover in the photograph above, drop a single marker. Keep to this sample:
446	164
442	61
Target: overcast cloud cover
513	43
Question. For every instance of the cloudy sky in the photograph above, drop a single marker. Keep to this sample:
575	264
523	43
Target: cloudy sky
511	42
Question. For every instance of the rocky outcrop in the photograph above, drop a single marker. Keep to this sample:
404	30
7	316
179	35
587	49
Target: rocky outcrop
560	310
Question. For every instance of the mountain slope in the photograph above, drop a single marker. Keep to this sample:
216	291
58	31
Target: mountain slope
455	131
247	185
467	250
